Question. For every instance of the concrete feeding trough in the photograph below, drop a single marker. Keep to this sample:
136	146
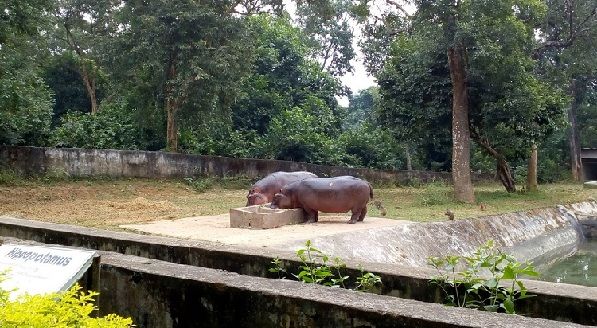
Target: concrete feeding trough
263	217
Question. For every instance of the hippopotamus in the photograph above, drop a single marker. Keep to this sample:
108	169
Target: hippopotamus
329	195
263	191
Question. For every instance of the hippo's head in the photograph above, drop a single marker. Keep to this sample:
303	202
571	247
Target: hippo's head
256	199
281	201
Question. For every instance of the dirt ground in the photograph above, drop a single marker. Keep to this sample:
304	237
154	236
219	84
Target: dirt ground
112	203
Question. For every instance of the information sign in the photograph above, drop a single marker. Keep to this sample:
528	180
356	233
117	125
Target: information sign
42	269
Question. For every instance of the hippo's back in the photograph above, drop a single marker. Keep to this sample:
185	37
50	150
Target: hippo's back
275	181
338	194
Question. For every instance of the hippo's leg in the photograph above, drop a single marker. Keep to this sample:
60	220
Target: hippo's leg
354	217
363	213
311	215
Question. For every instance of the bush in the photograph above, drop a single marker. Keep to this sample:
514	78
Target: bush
296	135
10	177
69	309
370	147
217	140
111	128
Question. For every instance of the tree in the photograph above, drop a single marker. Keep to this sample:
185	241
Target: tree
328	25
79	28
25	101
568	56
489	71
183	57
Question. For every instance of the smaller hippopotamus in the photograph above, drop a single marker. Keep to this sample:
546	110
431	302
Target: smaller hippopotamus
329	195
263	191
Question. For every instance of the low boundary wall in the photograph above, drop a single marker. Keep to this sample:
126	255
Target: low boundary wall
162	294
554	301
153	164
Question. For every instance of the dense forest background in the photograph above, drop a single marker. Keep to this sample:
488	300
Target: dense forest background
261	79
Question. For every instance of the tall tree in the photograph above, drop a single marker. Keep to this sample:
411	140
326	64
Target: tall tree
80	26
568	56
487	48
282	76
25	100
190	54
329	27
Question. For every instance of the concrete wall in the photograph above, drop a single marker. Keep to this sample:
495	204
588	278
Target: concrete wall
553	301
151	164
161	294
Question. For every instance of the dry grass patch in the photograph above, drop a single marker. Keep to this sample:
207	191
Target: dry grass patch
107	203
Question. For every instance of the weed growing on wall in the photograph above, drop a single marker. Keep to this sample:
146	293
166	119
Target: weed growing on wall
69	309
318	268
489	280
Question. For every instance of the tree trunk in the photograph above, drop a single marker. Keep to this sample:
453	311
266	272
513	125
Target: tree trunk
171	109
503	171
90	87
577	90
88	79
532	170
461	148
409	162
505	174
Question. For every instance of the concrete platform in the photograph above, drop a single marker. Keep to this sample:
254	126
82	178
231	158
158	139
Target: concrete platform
217	228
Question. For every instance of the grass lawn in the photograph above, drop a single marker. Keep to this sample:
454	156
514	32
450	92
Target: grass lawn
109	203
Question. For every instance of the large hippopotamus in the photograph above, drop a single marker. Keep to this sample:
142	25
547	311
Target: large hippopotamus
263	191
329	195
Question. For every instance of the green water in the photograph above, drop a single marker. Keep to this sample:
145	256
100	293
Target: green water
578	269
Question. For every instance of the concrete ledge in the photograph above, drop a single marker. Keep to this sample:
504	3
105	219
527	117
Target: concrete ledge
161	294
559	301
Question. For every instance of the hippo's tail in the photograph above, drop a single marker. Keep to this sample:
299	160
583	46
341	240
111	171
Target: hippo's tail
377	203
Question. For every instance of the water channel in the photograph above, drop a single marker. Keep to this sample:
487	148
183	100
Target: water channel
579	268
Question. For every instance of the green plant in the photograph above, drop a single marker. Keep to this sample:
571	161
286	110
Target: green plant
68	309
10	177
367	281
489	281
317	267
200	184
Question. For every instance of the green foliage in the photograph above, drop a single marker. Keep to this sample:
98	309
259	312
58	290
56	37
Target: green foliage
318	268
111	128
369	146
200	185
297	135
64	80
68	309
213	138
25	101
328	26
509	106
489	280
10	177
